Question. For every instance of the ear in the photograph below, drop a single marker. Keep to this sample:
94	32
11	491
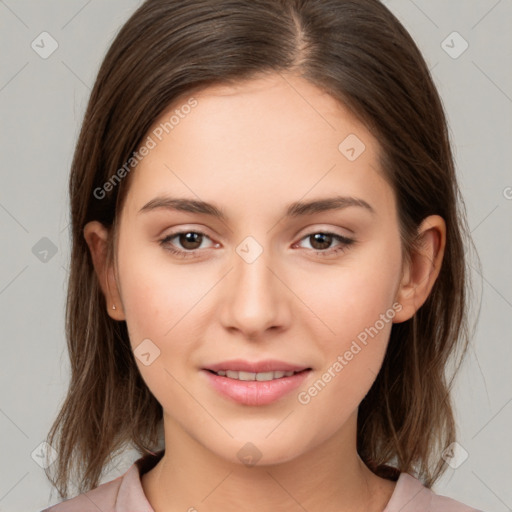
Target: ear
421	272
96	235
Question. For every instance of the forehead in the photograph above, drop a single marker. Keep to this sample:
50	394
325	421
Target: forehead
278	104
262	139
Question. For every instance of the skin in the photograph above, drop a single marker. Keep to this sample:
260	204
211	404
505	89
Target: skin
252	149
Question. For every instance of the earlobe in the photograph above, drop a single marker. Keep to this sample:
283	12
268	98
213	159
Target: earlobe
97	236
423	268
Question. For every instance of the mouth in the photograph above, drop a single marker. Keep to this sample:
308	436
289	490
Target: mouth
256	376
255	384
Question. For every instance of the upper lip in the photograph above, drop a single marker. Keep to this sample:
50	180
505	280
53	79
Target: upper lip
268	365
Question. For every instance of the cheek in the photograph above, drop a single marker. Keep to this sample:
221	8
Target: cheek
158	304
346	300
353	316
351	359
158	297
163	303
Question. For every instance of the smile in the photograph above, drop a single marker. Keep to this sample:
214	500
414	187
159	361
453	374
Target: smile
247	376
255	389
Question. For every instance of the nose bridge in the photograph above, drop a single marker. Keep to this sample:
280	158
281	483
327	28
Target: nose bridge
255	298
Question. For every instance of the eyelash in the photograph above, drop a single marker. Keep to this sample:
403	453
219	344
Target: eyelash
345	243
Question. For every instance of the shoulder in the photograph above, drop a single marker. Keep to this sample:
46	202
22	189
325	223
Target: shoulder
101	498
123	494
411	495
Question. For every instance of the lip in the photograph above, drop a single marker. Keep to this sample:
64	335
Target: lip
255	392
267	365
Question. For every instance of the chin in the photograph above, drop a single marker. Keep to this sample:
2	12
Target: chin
260	449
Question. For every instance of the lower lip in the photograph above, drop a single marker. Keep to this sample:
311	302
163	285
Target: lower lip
255	392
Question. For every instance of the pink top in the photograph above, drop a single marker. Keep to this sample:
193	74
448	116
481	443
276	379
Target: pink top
125	494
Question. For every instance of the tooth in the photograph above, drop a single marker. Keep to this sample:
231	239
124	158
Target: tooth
267	375
246	376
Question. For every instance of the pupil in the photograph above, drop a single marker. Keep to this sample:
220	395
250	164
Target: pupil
189	238
321	238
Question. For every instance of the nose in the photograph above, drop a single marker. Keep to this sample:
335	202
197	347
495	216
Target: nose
256	298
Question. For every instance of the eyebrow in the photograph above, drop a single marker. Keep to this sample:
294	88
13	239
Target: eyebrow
295	209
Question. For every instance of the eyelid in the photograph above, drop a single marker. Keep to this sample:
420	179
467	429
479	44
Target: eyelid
308	231
185	230
325	228
343	245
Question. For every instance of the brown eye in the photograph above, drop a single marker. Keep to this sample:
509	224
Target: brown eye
321	242
190	240
186	244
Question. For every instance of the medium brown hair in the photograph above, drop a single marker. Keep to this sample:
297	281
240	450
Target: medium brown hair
358	52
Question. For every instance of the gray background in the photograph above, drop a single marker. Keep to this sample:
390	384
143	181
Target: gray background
42	102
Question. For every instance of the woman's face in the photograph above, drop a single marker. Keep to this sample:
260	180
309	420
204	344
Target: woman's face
267	281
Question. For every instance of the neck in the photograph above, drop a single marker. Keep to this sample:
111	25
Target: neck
327	477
